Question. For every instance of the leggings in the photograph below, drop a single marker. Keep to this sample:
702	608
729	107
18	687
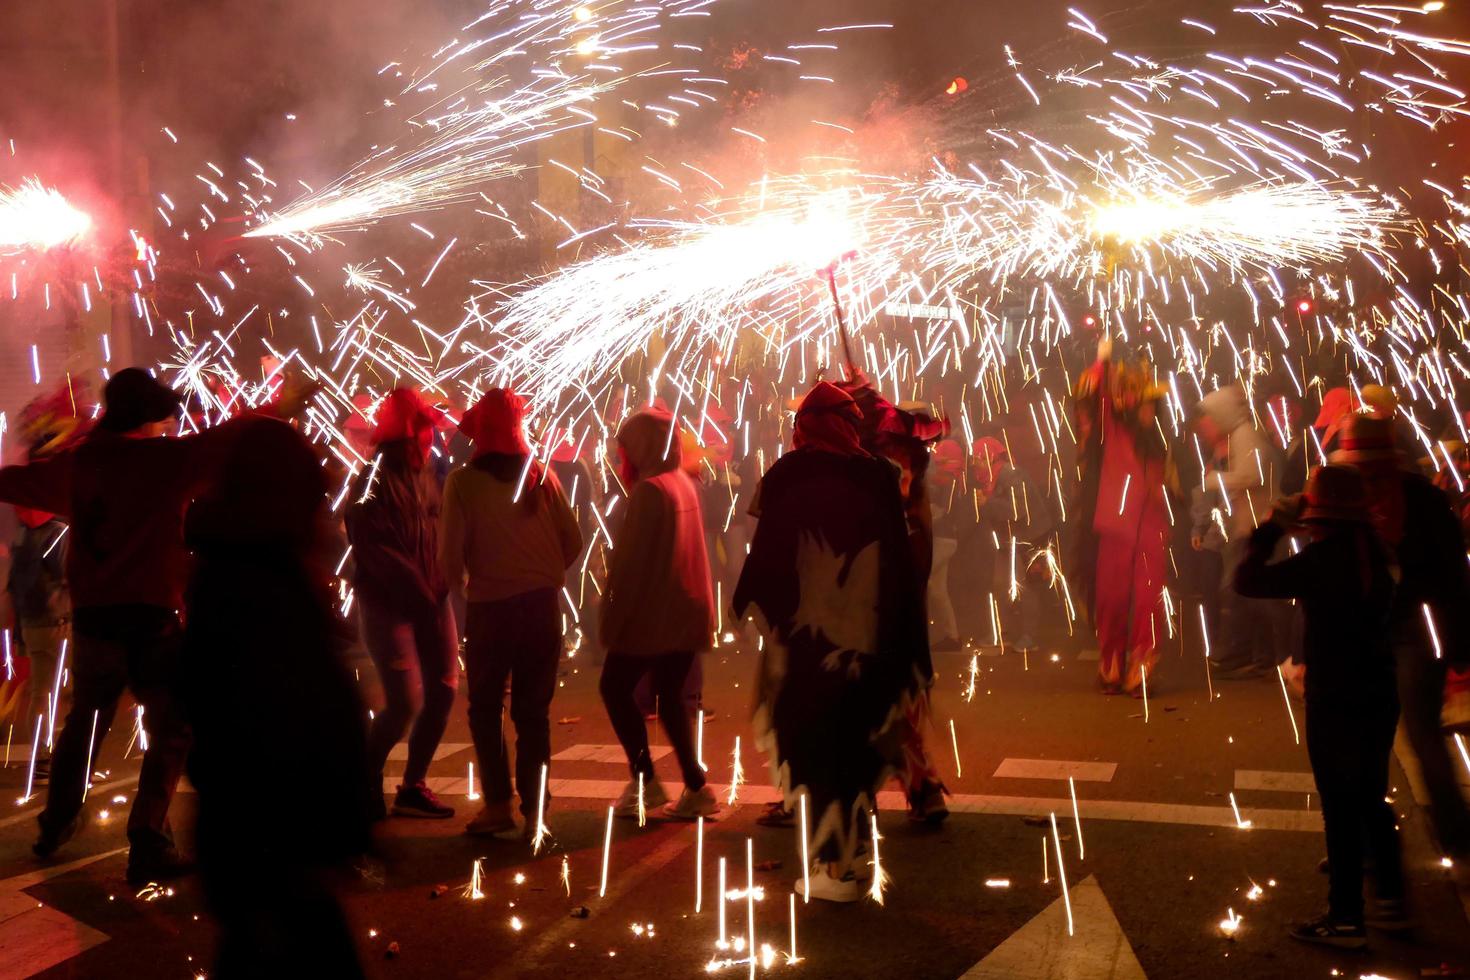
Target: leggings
620	675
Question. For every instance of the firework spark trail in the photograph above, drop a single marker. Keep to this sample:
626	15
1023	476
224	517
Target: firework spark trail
33	216
570	56
701	284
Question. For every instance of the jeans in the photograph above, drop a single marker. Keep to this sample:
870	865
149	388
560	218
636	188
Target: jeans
1251	631
43	646
620	675
1349	745
1421	693
944	625
1020	619
517	639
415	658
119	647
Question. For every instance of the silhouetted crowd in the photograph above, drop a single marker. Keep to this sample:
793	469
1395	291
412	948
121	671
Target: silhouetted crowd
203	567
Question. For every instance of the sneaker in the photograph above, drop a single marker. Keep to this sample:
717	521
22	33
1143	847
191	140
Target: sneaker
830	889
653	798
1325	932
1389	914
927	805
419	801
493	818
693	803
165	865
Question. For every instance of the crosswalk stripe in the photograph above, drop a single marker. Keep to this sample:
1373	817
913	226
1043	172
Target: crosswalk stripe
1275	782
399	752
607	790
605	753
1087	772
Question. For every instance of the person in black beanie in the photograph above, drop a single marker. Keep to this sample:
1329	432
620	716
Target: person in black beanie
123	490
1341	577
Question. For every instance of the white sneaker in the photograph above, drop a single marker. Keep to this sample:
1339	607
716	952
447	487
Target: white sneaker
830	889
653	798
693	804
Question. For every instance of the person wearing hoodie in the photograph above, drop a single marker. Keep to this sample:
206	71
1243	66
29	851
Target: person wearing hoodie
658	611
123	492
403	601
1341	578
1239	485
506	538
831	582
1430	621
1312	446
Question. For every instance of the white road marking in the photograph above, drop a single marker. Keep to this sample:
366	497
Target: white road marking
399	752
1275	782
1042	949
1087	772
35	937
1303	821
605	753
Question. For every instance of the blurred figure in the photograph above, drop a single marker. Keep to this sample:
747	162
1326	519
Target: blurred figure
264	679
508	529
1430	621
1381	403
1018	522
832	579
37	581
123	491
1123	518
1237	491
902	434
658	612
403	601
1341	578
1311	447
950	505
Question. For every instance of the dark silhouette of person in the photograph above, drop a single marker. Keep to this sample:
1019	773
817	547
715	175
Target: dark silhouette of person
263	678
123	490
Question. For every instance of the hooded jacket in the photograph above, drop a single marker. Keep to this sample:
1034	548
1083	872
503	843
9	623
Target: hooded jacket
659	598
1247	478
392	524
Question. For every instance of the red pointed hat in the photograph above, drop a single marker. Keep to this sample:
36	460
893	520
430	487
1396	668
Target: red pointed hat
404	414
495	423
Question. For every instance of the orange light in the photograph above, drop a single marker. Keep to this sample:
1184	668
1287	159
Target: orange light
957	86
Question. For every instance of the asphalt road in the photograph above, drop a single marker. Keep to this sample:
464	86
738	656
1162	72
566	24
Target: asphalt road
1159	860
